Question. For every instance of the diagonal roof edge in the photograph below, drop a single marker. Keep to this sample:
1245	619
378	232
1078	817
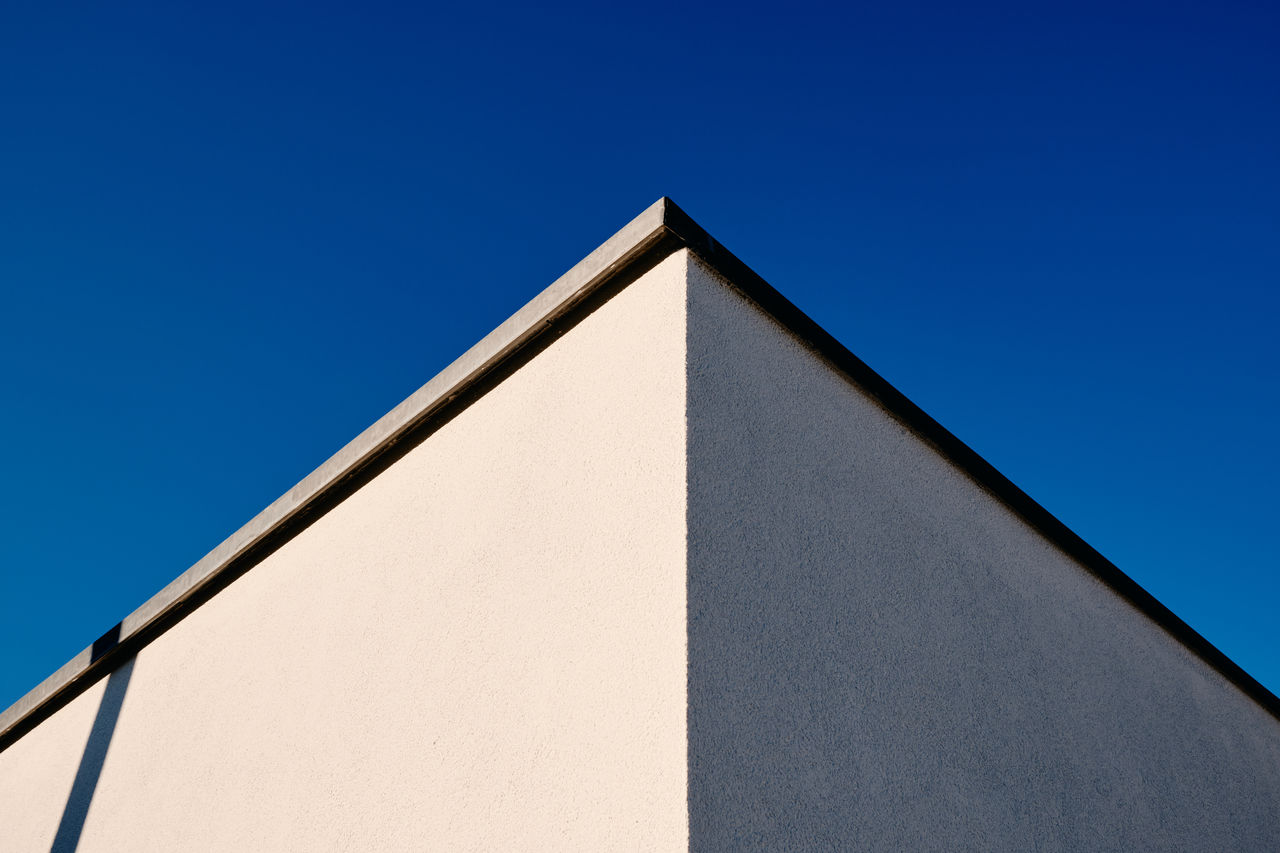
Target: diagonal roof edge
642	235
659	231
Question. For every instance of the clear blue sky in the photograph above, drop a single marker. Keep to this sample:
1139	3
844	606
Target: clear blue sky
233	235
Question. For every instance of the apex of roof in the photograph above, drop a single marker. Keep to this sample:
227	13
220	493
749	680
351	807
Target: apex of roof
660	230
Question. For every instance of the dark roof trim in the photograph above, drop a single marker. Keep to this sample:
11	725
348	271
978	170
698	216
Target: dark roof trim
960	454
654	234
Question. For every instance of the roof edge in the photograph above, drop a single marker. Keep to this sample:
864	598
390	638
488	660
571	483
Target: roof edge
982	472
657	232
635	239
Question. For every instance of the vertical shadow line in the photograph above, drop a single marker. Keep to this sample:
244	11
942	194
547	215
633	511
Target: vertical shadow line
67	838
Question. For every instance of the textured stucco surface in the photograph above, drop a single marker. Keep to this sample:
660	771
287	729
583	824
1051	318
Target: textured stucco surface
37	771
481	649
882	657
673	584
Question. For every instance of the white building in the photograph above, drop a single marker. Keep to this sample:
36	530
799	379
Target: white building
657	565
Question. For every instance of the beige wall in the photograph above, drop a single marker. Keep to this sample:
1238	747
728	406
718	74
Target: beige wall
482	649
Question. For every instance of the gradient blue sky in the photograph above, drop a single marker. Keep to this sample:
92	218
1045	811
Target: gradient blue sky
233	235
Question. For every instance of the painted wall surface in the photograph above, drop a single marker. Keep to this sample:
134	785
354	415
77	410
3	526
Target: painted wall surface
673	584
481	649
883	657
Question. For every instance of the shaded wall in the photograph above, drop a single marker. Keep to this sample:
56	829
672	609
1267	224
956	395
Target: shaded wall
883	657
481	649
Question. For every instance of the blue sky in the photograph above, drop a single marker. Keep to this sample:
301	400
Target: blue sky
233	235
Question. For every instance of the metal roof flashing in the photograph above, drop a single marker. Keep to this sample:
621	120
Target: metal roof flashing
660	230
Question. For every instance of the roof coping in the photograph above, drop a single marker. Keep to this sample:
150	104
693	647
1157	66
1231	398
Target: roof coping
659	231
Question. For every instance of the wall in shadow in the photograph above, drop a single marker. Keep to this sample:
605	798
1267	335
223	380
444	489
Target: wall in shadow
884	657
67	838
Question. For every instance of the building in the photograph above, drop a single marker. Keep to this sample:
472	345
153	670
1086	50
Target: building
656	565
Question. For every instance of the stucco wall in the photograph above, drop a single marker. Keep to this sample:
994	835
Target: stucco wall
481	649
882	657
674	584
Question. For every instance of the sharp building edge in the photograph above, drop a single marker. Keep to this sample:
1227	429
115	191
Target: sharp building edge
659	231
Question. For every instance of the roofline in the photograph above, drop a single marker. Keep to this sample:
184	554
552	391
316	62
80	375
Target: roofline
659	231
